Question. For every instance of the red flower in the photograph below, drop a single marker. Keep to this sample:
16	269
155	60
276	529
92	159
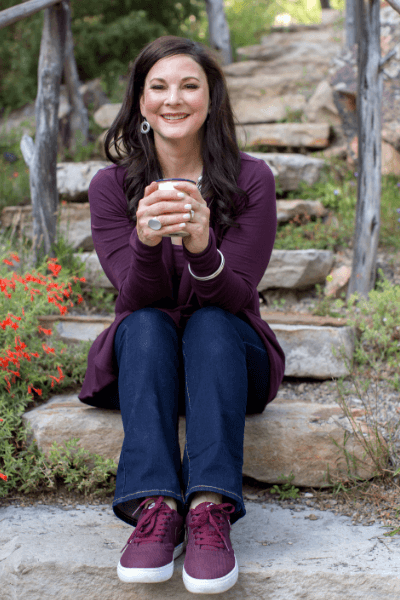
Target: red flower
45	331
8	262
2	476
37	390
48	350
15	257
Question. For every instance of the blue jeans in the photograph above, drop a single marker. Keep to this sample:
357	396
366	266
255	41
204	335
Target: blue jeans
215	371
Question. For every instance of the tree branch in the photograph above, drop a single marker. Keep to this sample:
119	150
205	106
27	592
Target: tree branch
395	4
27	146
26	9
386	58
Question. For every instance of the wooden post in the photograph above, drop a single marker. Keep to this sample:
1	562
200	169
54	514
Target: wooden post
351	23
78	119
369	100
41	155
219	30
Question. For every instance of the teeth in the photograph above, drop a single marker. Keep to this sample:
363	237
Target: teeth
174	118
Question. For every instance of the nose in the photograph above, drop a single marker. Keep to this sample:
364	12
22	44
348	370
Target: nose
173	96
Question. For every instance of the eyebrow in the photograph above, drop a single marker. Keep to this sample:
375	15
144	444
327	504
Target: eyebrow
183	79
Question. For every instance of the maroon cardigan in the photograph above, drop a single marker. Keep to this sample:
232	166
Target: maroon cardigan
143	274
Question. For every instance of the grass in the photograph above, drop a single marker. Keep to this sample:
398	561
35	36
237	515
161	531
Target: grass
337	190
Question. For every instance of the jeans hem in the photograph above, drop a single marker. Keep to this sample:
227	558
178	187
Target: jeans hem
240	509
127	518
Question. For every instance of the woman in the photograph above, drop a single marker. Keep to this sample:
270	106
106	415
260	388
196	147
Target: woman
187	337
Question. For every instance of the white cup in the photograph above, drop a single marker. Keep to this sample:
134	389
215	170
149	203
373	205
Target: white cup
169	184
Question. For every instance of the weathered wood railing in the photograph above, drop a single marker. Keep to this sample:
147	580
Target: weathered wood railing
56	53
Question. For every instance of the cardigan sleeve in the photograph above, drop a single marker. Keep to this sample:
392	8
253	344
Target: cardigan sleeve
247	249
136	270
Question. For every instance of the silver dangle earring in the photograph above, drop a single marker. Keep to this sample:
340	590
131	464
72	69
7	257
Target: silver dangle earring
145	127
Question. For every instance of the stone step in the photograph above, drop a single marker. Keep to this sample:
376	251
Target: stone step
296	135
315	347
292	168
296	269
288	437
65	552
287	269
73	225
74	220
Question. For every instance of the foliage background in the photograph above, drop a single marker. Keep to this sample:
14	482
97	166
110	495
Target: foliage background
108	34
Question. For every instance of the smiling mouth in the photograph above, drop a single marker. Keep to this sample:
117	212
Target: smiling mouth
174	117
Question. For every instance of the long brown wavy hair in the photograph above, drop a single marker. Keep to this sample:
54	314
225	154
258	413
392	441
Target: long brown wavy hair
137	153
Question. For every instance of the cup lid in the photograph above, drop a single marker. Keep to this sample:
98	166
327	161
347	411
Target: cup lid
175	179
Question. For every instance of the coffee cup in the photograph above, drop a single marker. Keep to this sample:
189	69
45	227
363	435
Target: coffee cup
169	184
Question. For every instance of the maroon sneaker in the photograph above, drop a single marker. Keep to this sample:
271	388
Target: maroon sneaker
210	565
154	544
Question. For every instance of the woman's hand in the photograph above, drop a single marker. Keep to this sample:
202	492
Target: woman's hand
198	227
167	207
173	212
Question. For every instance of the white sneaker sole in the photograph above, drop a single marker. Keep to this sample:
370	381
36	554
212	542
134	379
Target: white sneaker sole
156	575
211	586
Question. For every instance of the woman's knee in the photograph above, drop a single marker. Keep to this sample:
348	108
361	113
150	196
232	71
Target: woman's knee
146	328
211	328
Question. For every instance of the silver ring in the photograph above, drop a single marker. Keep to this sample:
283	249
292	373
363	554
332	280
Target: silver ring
191	215
154	224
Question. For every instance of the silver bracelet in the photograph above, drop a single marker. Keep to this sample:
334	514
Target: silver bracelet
217	272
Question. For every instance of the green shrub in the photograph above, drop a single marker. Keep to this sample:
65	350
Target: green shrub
377	320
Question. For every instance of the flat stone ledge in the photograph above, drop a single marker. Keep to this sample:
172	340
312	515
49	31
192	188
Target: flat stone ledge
292	168
48	552
298	135
73	179
316	352
296	269
288	437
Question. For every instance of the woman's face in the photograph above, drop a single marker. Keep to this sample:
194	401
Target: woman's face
175	99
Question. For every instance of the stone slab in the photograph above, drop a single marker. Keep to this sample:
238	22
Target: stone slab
296	269
76	328
74	223
292	168
267	109
288	437
297	135
316	352
50	552
290	269
94	273
289	209
73	179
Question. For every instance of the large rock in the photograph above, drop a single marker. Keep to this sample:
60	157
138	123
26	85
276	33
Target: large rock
316	352
262	85
53	551
321	107
94	273
297	135
290	269
294	48
292	168
76	328
73	179
268	110
289	209
73	223
287	437
296	269
106	114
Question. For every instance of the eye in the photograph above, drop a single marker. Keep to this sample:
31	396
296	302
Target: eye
192	86
156	87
